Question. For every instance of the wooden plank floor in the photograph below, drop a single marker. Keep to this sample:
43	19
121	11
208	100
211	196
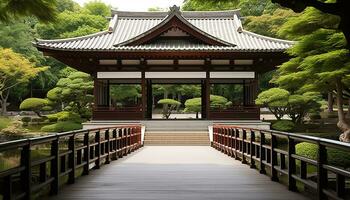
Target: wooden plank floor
176	172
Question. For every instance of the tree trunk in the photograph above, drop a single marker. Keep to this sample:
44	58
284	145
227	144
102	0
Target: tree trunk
342	123
197	115
165	106
4	103
330	102
348	114
179	97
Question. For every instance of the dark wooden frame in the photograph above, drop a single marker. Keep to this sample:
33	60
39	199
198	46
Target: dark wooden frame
107	144
266	155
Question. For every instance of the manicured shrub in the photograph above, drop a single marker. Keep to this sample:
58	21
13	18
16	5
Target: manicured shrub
34	104
62	127
335	157
283	125
26	120
64	116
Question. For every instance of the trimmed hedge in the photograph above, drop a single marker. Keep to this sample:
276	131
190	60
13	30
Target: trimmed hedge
283	125
64	116
62	127
335	157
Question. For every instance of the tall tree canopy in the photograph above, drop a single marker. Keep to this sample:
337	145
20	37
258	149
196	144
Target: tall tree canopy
320	63
14	70
44	10
335	7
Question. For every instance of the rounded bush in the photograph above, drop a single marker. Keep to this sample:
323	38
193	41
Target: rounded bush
33	104
64	116
62	127
283	125
335	157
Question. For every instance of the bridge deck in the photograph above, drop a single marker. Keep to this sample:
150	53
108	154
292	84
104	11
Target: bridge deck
174	172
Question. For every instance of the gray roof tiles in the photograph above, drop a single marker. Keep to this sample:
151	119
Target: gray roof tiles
125	26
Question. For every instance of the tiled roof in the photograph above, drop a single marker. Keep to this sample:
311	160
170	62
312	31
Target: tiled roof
223	25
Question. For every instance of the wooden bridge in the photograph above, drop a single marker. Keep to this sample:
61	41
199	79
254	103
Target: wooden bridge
171	172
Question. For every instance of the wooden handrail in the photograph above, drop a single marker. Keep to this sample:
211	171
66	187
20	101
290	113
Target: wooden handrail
232	140
109	143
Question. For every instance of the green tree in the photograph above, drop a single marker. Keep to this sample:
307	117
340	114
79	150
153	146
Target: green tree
193	105
44	10
14	70
74	93
276	100
321	61
171	104
268	24
72	24
97	7
35	104
339	8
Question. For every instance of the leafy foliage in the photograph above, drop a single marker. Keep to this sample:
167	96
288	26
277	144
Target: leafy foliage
44	10
193	105
335	157
14	70
64	116
34	104
62	127
283	125
171	104
74	93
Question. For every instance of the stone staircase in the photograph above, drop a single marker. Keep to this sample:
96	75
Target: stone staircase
177	133
177	138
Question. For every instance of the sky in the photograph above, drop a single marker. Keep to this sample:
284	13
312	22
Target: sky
137	5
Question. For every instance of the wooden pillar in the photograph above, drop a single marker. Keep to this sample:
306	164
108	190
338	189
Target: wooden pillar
203	99
149	99
207	96
143	95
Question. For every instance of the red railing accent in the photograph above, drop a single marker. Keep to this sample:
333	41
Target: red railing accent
262	149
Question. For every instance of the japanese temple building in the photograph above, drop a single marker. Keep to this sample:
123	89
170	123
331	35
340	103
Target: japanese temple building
175	47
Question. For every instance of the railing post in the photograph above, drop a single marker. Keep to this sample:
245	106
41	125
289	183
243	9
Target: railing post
98	149
274	176
321	172
8	188
252	149
26	175
262	153
236	144
108	147
244	146
71	159
340	185
115	156
86	154
54	169
291	165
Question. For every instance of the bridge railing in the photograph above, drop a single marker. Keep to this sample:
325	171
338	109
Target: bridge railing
274	153
45	163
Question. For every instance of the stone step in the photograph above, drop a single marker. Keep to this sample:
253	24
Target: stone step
177	142
176	138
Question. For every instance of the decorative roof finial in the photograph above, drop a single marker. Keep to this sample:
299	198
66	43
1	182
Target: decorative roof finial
174	9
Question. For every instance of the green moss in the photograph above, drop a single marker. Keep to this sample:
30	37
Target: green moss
335	157
62	127
4	122
283	125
